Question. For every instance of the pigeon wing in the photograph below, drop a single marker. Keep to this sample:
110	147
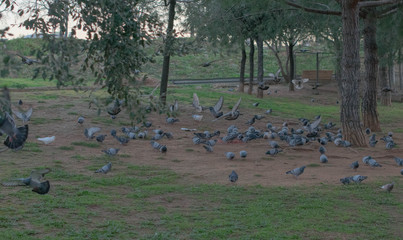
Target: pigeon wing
196	103
18	114
176	106
316	123
218	105
28	113
236	106
39	174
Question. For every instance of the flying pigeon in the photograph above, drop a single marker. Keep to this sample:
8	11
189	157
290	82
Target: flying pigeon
229	155
174	107
47	140
299	83
388	187
196	103
80	120
243	154
89	132
34	181
24	116
105	169
111	151
233	114
233	177
297	171
216	110
355	165
26	60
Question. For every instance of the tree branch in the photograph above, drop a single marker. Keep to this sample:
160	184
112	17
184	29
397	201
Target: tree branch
313	10
377	3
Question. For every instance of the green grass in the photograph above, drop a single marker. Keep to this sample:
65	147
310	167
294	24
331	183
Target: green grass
25	83
86	144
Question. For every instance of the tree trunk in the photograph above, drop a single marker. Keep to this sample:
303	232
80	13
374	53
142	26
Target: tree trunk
369	102
337	73
251	65
167	52
242	71
260	70
292	65
350	76
386	97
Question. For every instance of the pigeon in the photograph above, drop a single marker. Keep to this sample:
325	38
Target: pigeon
229	155
233	114
263	87
34	181
323	158
89	132
355	165
373	163
322	150
399	161
259	117
299	83
27	60
111	151
388	187
211	142
47	140
368	131
147	124
390	145
171	120
100	138
297	171
256	104
20	102
312	126
196	103
197	117
122	140
24	116
358	178
174	107
274	144
329	125
345	180
207	64
269	111
80	120
114	109
16	136
366	159
233	177
243	154
113	133
105	169
401	172
372	140
216	110
208	148
251	121
274	151
160	147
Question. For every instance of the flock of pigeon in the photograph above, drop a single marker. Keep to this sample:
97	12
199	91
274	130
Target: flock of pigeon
309	132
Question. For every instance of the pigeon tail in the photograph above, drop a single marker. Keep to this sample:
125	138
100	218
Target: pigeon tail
17	141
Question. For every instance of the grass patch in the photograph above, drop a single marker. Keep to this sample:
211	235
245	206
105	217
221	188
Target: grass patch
66	148
86	144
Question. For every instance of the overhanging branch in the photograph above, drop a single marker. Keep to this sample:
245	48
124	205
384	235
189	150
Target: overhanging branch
313	10
377	3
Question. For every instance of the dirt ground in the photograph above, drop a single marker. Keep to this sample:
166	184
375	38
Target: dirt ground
192	161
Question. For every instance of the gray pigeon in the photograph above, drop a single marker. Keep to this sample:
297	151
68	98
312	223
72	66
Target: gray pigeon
323	158
229	155
208	148
243	154
297	171
368	131
89	132
366	159
373	163
35	181
322	150
358	178
399	161
171	120
401	172
174	107
24	116
80	120
274	151
390	145
105	169
255	104
122	140
216	110
355	165
111	151
388	187
233	114
345	180
233	177
114	109
372	140
101	138
160	147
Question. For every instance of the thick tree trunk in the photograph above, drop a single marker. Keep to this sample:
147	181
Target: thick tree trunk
369	101
350	102
242	71
386	97
337	73
260	71
167	52
292	65
251	65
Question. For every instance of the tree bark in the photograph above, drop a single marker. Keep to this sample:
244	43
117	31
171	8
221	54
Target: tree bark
292	65
260	70
369	101
251	65
350	104
167	52
386	97
242	71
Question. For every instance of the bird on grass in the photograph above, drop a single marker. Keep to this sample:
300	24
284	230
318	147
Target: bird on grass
297	171
114	109
299	83
160	147
208	64
89	132
105	169
322	150
100	138
323	158
80	120
208	148
229	155
373	163
358	178
399	161
388	187
47	140
196	103
243	154
35	181
345	180
233	177
171	120
111	151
